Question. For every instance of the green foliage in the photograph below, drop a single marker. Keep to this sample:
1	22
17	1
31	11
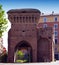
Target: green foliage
21	61
20	54
3	21
20	57
3	58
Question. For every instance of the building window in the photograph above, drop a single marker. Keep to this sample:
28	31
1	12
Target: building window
55	26
44	25
56	33
56	56
56	41
55	19
44	19
55	49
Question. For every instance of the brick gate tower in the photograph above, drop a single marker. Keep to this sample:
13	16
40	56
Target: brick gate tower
24	36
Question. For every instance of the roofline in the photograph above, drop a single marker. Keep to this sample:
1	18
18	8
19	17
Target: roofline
26	10
49	15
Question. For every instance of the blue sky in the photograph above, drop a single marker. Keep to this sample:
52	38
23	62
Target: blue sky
45	6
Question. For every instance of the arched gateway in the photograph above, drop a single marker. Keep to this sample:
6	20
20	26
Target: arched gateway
24	37
25	48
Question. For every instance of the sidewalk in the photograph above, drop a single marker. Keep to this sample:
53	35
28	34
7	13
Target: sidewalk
51	63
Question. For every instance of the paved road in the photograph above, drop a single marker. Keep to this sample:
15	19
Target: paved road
51	63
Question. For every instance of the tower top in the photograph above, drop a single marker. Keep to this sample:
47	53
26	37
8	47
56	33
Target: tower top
24	11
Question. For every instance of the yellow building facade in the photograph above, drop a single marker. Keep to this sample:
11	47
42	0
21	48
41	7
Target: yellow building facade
49	18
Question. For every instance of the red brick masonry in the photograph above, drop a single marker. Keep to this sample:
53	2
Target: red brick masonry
24	33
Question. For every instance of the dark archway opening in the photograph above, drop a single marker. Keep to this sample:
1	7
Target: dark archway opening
23	52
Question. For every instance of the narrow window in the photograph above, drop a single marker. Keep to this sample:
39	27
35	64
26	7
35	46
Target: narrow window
56	41
55	19
56	33
44	19
55	26
44	25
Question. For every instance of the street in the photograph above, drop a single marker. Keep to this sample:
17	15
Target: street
50	63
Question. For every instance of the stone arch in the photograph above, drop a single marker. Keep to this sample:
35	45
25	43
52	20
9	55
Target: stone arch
43	50
26	48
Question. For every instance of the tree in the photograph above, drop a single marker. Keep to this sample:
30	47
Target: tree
3	21
3	27
3	56
20	57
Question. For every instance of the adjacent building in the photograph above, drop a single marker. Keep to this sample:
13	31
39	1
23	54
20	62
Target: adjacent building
52	20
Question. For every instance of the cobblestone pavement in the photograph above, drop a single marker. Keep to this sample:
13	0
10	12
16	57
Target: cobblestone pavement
51	63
